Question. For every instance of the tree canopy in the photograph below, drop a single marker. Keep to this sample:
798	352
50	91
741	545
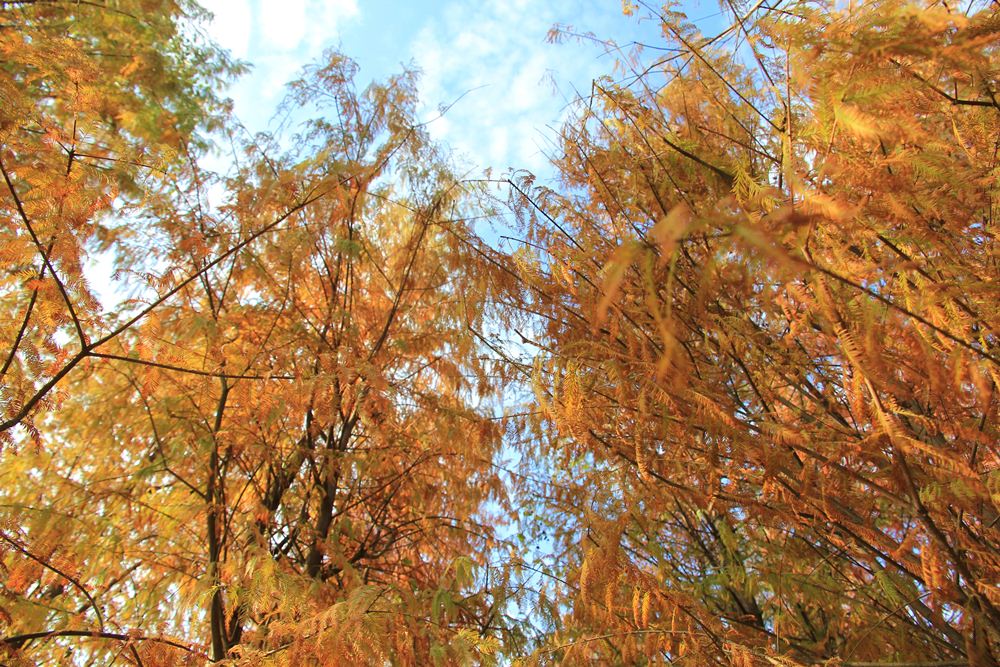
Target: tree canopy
755	320
770	356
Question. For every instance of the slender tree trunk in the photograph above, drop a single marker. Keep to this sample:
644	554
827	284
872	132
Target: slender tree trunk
217	611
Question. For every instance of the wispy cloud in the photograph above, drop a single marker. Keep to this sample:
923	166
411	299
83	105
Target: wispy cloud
231	25
520	86
496	53
277	37
515	85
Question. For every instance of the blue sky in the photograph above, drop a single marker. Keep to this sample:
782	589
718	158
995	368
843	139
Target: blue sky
516	85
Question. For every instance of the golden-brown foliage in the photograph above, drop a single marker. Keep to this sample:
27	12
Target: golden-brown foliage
279	451
769	320
765	417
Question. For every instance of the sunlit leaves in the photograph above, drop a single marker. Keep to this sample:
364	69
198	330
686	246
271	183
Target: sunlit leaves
275	452
766	315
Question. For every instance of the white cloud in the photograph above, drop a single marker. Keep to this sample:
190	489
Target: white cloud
231	25
493	51
281	24
301	26
496	53
278	37
326	16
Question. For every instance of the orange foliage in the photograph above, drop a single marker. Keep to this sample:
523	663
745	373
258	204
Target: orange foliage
769	388
764	418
